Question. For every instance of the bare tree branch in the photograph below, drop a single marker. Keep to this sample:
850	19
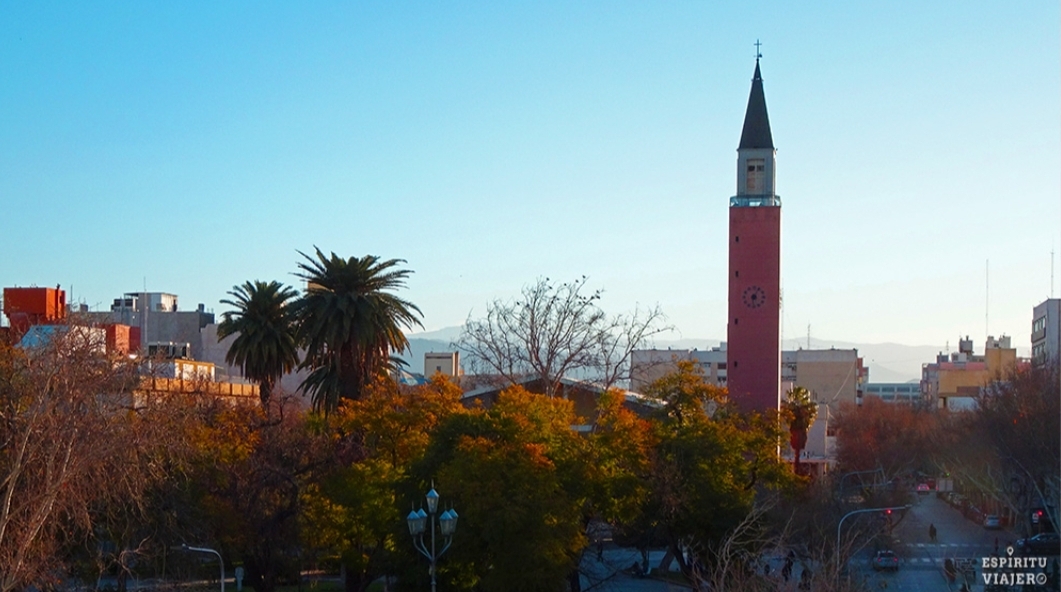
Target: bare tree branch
556	331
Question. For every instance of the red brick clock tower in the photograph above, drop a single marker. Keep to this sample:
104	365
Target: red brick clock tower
754	346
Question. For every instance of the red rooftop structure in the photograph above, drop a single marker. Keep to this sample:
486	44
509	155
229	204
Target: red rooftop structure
25	307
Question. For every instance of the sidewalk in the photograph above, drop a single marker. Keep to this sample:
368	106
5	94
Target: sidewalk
611	572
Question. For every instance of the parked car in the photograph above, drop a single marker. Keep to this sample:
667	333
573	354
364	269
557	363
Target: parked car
1047	543
922	489
992	522
886	560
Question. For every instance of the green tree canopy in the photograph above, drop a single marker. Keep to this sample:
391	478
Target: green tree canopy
265	347
709	463
354	513
350	322
517	475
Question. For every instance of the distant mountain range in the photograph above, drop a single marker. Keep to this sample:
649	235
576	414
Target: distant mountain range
888	362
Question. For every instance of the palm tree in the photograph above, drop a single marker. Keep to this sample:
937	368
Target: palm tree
350	322
798	412
265	346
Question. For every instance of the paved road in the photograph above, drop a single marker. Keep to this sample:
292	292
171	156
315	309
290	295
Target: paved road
608	574
921	567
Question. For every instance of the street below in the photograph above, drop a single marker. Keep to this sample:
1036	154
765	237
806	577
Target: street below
922	560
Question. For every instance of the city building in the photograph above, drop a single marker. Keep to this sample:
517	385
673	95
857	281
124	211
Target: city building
91	339
830	375
954	381
25	307
753	365
649	365
1046	332
156	320
448	363
894	392
39	317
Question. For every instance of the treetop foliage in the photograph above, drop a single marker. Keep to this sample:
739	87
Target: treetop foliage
263	322
348	322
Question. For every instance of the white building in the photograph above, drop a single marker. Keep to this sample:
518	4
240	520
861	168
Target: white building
447	363
894	392
156	316
649	365
1046	332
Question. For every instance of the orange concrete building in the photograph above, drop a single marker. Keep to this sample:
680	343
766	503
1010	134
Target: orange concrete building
955	380
25	307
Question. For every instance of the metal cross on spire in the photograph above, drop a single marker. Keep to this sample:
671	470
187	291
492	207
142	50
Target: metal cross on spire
758	54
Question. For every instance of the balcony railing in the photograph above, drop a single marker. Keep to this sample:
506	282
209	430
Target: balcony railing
754	201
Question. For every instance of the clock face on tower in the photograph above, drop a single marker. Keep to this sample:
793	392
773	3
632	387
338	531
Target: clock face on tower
753	297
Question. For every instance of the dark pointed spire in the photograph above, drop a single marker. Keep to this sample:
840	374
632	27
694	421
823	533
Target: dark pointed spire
756	133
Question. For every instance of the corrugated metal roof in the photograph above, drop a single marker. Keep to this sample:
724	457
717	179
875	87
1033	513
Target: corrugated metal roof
40	336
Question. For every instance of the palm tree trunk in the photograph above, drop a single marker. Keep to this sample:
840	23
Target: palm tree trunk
265	391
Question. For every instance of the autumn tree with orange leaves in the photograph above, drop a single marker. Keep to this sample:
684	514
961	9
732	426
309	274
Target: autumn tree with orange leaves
353	511
897	438
72	449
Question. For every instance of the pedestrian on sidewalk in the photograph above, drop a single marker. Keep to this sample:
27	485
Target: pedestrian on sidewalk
932	532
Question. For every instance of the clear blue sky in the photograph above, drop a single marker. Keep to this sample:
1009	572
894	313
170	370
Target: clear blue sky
198	145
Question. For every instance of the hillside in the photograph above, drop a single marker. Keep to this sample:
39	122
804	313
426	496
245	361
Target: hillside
888	362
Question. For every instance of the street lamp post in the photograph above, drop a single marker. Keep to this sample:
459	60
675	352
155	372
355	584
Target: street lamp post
206	550
447	525
852	513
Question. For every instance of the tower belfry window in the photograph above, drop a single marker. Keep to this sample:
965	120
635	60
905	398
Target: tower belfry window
755	180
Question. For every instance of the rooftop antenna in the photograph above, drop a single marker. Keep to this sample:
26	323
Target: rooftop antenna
1051	273
987	298
143	316
808	335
